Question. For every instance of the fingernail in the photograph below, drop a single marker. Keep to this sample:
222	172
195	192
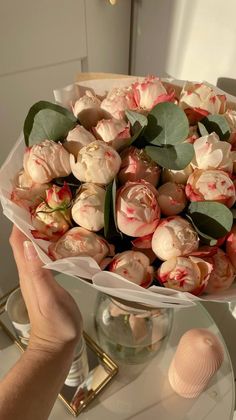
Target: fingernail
30	251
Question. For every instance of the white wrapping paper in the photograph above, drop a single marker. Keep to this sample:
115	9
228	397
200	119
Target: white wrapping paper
85	268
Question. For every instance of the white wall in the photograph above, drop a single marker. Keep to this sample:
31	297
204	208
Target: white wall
186	39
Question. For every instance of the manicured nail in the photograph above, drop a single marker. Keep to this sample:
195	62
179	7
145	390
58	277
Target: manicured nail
30	251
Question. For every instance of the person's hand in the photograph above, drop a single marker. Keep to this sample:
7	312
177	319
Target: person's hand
55	319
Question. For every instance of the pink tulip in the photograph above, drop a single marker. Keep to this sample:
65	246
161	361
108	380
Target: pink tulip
199	100
223	273
45	161
151	92
211	185
49	224
231	246
58	196
80	242
174	237
26	193
136	165
133	266
185	274
138	212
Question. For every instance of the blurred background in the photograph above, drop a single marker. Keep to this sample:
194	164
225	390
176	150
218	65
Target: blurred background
43	44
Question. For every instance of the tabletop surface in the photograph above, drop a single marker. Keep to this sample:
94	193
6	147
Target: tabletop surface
142	392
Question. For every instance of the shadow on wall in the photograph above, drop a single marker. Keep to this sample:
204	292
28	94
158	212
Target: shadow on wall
227	84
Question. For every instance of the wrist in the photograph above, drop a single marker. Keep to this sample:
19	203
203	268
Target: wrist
43	348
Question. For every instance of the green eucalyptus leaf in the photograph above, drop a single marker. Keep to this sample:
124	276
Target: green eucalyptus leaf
211	218
138	123
218	124
114	188
167	124
206	239
172	157
46	120
202	130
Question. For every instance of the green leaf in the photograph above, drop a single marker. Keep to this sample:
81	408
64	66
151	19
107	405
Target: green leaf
202	130
206	239
211	218
167	124
138	123
114	188
172	157
218	124
46	120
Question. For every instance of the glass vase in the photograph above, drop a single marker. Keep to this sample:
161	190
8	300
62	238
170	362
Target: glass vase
130	334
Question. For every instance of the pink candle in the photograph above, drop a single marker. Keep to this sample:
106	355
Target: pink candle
198	356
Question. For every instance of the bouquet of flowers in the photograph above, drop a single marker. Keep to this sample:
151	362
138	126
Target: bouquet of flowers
130	183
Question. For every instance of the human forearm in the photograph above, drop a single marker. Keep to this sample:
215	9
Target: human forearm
30	388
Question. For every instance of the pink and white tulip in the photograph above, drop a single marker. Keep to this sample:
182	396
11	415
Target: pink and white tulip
45	161
80	242
58	196
138	212
151	92
78	138
133	266
136	165
223	273
212	153
174	237
231	246
185	274
97	162
171	198
230	116
180	176
211	185
199	100
118	101
114	132
49	224
88	101
88	207
26	193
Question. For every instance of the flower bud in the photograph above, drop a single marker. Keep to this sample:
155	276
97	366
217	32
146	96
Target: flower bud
171	198
211	153
138	212
79	242
78	138
136	165
230	116
231	246
174	237
185	274
26	193
199	100
49	224
88	208
151	92
116	133
46	161
58	196
118	101
180	177
133	266
223	273
210	185
87	110
97	162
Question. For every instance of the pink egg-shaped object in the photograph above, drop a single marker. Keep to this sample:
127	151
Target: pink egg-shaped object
198	357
